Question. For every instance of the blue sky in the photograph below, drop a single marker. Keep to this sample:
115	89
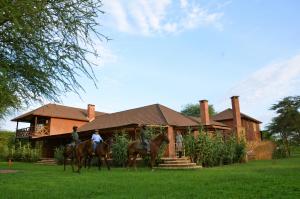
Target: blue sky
179	52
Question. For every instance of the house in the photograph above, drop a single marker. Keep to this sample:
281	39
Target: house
47	123
52	124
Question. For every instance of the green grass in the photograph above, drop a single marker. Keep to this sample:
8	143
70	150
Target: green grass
256	179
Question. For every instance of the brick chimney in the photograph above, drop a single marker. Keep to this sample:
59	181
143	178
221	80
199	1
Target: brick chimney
204	112
237	121
91	112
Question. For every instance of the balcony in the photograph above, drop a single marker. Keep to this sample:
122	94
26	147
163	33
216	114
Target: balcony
29	132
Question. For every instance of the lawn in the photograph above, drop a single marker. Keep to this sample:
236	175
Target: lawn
256	179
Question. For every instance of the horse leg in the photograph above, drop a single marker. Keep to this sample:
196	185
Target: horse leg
72	163
128	161
106	162
134	161
99	162
152	162
64	162
89	160
79	161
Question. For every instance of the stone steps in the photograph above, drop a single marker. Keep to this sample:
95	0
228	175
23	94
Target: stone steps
178	163
175	159
46	161
178	168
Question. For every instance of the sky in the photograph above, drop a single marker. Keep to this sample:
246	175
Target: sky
180	52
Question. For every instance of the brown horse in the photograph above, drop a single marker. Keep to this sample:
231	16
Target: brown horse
135	148
83	150
102	150
69	152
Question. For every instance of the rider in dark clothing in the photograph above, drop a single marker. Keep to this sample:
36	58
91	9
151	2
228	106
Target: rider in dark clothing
75	137
144	140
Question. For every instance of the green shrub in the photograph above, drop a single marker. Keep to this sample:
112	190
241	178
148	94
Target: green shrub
59	155
191	147
213	150
6	140
218	149
119	148
229	152
240	151
23	152
280	152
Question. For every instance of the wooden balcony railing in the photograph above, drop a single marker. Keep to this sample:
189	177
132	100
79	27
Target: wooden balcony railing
32	131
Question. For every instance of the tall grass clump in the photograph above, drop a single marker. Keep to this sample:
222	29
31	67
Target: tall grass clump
59	155
213	149
22	152
119	148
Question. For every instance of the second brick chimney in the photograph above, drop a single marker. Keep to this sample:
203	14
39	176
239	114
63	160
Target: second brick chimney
204	114
237	121
91	112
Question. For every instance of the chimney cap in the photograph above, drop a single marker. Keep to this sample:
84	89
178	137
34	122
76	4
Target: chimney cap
235	96
204	100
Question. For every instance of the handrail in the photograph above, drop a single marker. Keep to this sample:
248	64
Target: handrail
33	131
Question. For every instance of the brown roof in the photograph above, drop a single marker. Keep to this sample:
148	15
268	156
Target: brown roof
228	115
58	111
155	114
211	122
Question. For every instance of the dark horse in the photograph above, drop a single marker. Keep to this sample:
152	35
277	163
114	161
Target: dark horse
102	150
135	148
83	150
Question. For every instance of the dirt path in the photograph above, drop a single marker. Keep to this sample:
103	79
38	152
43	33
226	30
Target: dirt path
8	171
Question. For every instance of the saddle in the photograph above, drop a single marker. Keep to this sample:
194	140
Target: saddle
143	146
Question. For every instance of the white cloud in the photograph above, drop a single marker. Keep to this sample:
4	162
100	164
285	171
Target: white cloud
161	16
266	86
183	3
101	53
119	14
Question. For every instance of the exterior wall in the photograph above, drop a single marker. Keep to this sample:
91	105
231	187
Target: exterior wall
252	129
59	126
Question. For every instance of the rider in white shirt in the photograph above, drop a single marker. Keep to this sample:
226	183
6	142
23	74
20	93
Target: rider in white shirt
96	138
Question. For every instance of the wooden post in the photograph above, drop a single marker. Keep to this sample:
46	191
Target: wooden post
35	123
17	126
135	136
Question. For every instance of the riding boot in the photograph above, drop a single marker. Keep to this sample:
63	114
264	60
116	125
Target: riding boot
180	154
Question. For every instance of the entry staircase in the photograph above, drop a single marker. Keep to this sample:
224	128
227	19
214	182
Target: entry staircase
178	163
46	161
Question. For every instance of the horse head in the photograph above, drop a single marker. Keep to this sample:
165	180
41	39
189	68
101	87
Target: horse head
165	137
89	147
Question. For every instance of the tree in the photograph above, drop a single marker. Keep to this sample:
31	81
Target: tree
44	46
286	125
194	110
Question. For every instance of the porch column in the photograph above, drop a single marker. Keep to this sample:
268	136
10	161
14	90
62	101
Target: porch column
17	126
171	146
35	123
196	134
135	134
